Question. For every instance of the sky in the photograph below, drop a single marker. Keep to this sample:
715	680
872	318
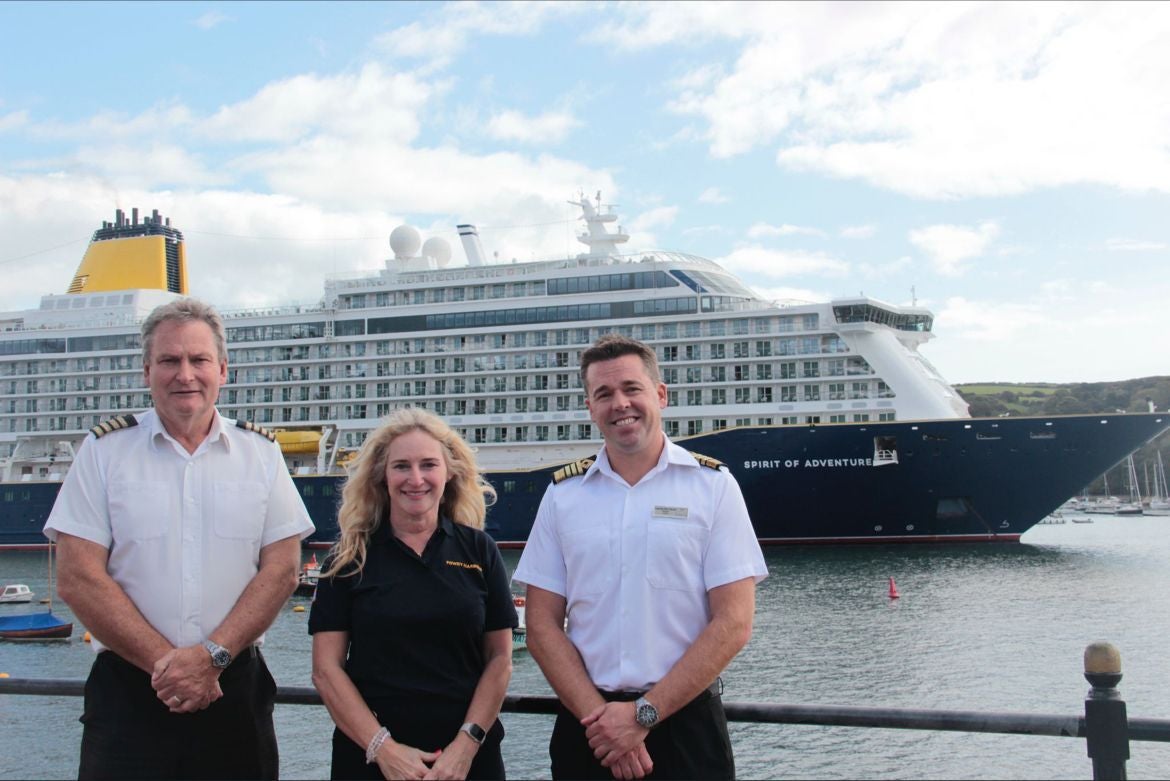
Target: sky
1006	165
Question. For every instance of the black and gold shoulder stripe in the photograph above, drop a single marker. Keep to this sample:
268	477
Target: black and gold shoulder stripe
707	461
248	425
114	424
575	469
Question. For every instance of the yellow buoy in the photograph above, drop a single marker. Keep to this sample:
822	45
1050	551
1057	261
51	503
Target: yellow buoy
86	637
299	609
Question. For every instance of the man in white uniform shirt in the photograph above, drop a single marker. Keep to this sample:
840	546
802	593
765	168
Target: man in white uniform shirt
178	535
649	553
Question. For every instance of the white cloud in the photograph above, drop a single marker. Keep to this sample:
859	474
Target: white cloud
948	246
988	339
1134	245
759	261
988	320
371	103
642	227
764	229
210	19
858	231
700	230
445	33
549	127
882	270
660	216
13	120
936	100
712	195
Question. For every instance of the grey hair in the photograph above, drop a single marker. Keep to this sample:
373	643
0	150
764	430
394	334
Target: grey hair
184	310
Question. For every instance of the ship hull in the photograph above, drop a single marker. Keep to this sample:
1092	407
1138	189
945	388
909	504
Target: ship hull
967	480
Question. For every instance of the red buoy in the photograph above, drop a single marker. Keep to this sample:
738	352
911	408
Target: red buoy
893	590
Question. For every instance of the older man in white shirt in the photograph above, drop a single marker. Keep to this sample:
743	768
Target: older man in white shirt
178	536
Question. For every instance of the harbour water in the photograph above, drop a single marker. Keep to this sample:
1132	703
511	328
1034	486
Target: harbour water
980	627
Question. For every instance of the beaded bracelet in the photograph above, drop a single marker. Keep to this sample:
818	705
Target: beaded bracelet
375	744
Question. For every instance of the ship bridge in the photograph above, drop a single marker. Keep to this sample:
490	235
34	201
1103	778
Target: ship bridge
867	311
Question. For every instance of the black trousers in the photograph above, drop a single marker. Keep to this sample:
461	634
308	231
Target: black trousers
130	734
692	743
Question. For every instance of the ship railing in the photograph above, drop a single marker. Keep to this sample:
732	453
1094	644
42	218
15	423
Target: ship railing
1105	724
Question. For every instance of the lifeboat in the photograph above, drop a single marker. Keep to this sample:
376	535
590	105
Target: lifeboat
298	442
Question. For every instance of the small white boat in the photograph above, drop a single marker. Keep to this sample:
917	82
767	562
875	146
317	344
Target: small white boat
520	633
307	580
16	592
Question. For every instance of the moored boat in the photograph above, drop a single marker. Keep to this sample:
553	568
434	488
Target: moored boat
307	579
15	593
35	626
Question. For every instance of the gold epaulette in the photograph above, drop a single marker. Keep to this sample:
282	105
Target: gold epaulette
707	461
575	469
114	424
248	425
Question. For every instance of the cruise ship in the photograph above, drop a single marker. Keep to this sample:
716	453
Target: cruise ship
836	426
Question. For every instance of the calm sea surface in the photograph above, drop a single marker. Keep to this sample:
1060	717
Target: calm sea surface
981	627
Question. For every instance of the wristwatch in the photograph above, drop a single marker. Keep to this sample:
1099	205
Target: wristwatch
644	713
474	731
220	656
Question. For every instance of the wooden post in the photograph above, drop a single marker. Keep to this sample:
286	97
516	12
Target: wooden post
1106	723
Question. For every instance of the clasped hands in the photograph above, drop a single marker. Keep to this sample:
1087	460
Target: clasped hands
618	740
185	681
399	761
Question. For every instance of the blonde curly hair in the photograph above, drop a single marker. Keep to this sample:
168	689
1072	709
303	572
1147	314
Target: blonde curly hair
365	500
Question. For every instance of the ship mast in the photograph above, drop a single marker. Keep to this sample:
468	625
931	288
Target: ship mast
597	238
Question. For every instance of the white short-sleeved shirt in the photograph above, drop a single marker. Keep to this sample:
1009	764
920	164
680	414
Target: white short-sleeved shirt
635	563
184	530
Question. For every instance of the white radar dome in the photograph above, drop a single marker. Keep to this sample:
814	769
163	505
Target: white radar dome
404	240
438	249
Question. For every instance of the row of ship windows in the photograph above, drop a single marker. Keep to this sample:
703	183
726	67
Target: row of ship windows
480	385
636	280
562	336
494	406
832	367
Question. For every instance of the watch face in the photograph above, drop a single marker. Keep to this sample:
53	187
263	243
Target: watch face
647	715
220	656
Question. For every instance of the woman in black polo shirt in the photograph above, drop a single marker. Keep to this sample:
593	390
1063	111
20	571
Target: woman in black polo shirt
412	622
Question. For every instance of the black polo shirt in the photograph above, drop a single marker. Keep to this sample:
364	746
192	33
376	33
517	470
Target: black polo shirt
416	623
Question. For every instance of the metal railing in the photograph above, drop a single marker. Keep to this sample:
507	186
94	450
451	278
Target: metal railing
1105	725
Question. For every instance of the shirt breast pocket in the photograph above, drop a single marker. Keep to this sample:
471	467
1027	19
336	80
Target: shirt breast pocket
138	510
240	510
674	555
589	562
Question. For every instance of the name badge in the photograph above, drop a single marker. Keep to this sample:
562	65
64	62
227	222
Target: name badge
670	512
